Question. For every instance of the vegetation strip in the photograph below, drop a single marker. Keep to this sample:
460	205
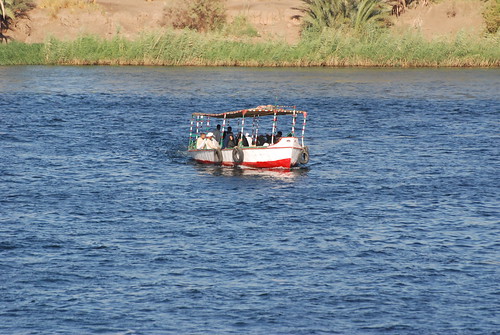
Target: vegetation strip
189	48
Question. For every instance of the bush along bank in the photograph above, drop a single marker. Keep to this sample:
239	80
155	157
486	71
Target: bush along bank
331	47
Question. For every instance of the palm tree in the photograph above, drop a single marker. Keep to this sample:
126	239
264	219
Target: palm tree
4	19
368	11
6	11
320	14
11	9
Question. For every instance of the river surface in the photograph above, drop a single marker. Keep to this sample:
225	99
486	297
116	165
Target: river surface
106	227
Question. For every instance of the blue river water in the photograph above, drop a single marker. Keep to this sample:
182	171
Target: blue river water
106	226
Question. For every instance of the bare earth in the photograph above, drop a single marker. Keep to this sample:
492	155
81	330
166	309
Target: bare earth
272	19
444	19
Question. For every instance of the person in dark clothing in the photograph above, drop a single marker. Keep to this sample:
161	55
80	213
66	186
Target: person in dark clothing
242	140
231	142
225	136
278	137
260	140
217	134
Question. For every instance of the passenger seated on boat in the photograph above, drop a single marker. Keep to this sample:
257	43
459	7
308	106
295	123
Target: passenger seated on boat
260	140
249	139
225	136
231	143
242	141
211	143
278	136
201	142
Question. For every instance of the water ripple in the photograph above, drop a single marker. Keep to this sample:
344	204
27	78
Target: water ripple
108	227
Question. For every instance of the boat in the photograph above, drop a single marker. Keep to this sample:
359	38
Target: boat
251	150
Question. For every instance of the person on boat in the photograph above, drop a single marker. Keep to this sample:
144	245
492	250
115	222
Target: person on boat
217	134
242	140
211	143
201	142
231	142
225	137
249	139
261	140
278	137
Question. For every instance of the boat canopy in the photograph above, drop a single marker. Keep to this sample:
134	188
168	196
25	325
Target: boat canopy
257	111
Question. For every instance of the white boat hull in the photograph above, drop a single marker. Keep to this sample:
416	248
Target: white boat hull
284	154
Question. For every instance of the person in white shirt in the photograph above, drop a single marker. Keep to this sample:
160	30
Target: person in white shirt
211	143
249	139
201	142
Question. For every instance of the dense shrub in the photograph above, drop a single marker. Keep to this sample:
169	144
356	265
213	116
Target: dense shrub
200	15
492	16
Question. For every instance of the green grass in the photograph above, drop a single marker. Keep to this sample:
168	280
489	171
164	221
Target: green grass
21	54
330	48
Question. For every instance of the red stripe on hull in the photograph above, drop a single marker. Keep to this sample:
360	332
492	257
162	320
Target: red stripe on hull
281	163
285	163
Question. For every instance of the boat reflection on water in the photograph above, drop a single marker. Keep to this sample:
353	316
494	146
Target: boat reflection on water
285	174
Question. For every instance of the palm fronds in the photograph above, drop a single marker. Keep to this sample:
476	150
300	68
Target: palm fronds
321	14
368	11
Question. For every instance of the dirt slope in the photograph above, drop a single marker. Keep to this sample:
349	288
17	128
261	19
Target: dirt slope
444	19
272	19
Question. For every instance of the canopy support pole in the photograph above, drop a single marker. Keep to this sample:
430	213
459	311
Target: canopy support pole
304	127
275	120
243	125
255	128
191	133
208	124
198	121
223	129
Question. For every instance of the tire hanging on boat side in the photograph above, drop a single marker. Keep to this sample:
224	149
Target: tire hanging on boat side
217	156
238	156
304	156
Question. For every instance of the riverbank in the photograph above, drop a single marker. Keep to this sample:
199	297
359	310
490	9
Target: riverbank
188	48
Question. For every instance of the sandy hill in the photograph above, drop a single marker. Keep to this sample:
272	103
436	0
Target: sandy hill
444	19
272	19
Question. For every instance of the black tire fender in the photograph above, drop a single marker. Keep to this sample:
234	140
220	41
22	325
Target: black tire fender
218	156
238	155
304	156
